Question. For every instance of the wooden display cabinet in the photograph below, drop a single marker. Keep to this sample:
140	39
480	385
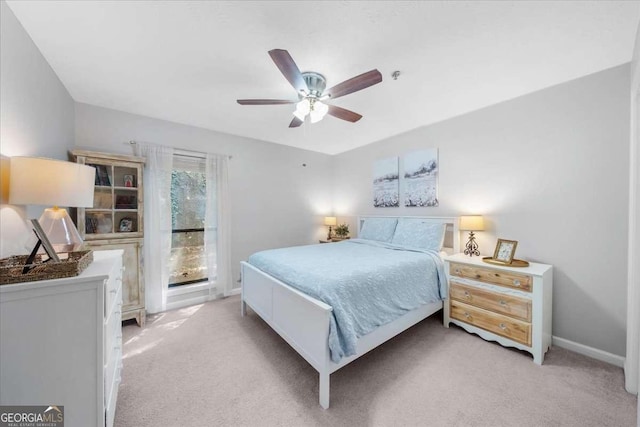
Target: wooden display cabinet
116	220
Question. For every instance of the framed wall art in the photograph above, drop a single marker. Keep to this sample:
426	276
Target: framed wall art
386	183
421	178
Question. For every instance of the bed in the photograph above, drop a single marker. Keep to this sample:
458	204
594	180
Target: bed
304	301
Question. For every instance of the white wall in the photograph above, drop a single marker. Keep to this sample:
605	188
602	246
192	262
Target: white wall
550	170
275	201
632	362
36	118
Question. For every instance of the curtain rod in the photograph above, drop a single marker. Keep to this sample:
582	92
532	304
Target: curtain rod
182	152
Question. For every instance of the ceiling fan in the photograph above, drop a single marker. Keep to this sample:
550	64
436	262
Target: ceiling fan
310	87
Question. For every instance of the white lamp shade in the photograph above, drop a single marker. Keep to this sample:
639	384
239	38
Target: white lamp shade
330	220
48	182
471	223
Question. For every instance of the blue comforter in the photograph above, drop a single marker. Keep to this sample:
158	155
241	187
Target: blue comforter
368	284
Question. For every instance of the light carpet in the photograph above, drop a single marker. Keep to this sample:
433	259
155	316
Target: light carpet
208	366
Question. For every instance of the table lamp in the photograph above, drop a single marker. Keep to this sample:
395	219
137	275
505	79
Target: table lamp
40	181
330	221
471	223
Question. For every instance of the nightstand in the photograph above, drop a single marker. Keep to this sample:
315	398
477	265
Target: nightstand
509	305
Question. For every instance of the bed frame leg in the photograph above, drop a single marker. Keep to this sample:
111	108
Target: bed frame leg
324	390
243	308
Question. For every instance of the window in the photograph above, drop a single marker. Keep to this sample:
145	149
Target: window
188	262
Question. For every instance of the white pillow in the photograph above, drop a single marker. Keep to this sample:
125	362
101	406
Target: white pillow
380	229
418	234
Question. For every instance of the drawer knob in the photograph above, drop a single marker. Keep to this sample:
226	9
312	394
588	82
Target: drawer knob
503	303
467	315
458	270
516	282
467	294
502	326
116	347
118	312
113	291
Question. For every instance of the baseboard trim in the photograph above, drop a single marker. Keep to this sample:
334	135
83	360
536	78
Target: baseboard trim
173	305
186	302
585	350
235	291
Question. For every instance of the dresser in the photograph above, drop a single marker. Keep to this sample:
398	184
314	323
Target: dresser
509	305
61	342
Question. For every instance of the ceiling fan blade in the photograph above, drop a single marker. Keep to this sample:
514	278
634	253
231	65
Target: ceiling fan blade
289	69
354	84
264	101
343	114
296	122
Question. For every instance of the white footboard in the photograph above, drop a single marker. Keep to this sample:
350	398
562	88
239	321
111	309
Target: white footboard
301	320
304	322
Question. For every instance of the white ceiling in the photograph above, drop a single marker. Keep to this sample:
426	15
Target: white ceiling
188	61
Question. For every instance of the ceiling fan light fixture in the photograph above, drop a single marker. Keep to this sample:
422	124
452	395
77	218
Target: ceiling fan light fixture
311	88
318	111
302	108
299	115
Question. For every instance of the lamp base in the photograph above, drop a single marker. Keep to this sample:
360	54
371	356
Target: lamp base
471	247
60	230
329	235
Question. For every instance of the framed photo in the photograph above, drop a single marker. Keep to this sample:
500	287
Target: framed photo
44	240
128	180
126	225
505	250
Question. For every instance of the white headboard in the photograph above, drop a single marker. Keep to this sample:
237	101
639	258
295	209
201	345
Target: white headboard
451	236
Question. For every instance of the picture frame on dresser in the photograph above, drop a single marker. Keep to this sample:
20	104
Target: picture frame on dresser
505	251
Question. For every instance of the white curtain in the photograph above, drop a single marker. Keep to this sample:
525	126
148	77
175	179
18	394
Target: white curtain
217	226
157	223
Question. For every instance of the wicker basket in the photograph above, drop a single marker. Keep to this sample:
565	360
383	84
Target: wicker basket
11	268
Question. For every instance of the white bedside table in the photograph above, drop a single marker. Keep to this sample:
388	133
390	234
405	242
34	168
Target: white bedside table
509	305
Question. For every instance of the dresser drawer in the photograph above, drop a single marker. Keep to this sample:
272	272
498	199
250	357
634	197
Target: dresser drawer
111	391
500	303
111	371
488	275
113	328
499	324
112	285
